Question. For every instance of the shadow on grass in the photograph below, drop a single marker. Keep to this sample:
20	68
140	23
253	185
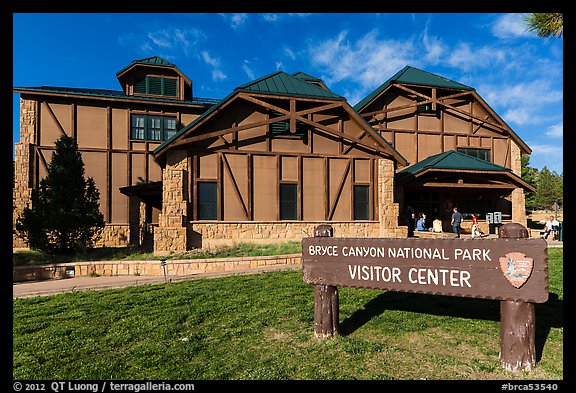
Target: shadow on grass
548	315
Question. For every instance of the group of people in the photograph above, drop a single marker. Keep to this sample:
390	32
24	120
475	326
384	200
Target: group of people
455	222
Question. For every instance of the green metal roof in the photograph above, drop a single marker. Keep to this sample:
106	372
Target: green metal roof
306	77
154	60
453	159
111	94
413	76
285	84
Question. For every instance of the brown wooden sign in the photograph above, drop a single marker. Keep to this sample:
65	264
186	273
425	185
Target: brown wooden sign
500	269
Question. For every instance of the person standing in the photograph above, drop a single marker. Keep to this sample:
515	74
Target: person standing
456	221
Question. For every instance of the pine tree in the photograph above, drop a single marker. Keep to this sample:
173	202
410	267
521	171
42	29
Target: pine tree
65	215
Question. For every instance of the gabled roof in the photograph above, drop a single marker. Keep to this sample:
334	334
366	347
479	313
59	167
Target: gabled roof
306	77
453	160
282	83
154	60
413	76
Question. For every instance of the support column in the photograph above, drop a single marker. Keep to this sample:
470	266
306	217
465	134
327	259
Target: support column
326	302
517	321
23	165
172	231
388	210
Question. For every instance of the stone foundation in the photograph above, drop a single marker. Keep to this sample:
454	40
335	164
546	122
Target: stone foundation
114	236
211	234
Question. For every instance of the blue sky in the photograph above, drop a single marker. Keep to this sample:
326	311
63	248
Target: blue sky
517	73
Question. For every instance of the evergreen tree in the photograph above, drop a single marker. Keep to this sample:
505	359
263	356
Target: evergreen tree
549	189
65	215
529	174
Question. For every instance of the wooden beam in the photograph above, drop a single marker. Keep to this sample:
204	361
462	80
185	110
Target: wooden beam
53	116
339	191
213	134
339	135
292	116
265	104
353	143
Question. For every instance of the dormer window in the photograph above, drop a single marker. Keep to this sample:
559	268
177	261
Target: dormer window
157	86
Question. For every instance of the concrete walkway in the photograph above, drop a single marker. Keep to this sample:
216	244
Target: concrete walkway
83	283
51	287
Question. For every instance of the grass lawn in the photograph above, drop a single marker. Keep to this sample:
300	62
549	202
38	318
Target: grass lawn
261	326
33	257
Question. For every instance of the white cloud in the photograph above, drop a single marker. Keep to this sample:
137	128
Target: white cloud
270	17
556	130
288	52
547	155
210	60
217	74
510	26
467	58
248	70
367	61
235	20
172	41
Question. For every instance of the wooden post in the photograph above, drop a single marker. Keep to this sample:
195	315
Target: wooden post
517	321
326	303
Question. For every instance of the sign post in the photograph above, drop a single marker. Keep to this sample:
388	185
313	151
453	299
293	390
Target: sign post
326	302
512	269
517	321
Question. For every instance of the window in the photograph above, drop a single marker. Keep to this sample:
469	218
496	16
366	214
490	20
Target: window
169	127
138	127
483	154
424	108
153	128
207	201
288	201
361	202
155	85
283	127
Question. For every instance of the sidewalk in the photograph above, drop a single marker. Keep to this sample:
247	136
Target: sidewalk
74	284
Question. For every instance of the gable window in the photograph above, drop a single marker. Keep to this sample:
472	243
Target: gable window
282	128
361	202
158	86
483	154
207	201
152	128
288	201
424	108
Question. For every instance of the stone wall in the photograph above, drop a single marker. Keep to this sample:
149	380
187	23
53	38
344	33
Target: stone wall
181	267
22	191
172	233
114	236
212	234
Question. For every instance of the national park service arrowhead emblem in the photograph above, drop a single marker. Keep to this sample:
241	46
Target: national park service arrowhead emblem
517	268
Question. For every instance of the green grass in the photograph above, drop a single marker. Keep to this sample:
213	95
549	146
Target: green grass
33	257
261	326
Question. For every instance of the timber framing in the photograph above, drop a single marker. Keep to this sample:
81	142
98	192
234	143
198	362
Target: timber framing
368	139
498	126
